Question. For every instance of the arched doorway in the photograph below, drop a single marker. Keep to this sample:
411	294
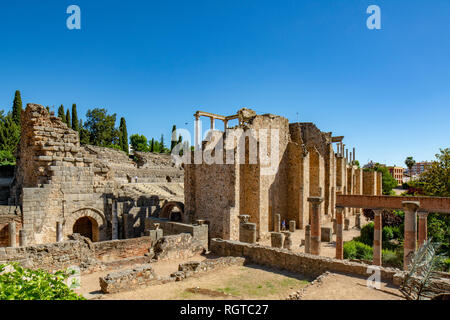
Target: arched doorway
88	222
174	211
87	227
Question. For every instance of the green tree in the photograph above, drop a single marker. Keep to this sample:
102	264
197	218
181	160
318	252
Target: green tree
75	121
68	121
161	145
83	133
9	136
61	113
152	145
17	108
436	180
410	162
124	135
139	142
101	127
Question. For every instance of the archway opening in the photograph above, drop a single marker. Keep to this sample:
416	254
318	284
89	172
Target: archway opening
87	227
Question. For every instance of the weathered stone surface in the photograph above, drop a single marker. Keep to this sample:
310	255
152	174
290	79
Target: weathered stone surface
326	235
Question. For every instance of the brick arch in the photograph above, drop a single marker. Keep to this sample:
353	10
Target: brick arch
95	216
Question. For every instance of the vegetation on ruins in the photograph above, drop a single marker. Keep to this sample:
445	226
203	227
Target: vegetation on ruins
18	283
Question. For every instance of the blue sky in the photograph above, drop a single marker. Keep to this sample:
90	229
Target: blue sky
157	62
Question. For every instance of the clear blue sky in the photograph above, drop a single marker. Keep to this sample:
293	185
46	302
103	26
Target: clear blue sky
157	62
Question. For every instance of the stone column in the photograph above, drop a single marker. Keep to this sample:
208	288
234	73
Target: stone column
377	237
277	224
307	238
114	221
315	224
59	231
125	225
346	224
292	226
22	238
410	243
212	123
287	244
12	234
358	220
423	215
335	225
277	239
225	125
339	235
197	132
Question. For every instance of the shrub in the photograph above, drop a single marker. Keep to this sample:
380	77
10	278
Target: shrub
19	283
392	259
357	250
366	235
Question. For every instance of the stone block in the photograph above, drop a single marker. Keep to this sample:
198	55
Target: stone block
277	239
326	234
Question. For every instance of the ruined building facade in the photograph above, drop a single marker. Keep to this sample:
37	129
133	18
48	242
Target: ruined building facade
306	161
61	187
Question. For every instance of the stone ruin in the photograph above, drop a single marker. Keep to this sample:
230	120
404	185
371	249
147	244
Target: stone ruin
310	163
61	187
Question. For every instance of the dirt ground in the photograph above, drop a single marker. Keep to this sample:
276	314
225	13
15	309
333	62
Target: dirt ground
234	282
344	287
250	281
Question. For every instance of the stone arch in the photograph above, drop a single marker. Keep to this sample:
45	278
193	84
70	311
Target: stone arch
84	218
167	211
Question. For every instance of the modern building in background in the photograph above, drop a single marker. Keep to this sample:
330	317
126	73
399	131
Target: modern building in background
419	168
397	173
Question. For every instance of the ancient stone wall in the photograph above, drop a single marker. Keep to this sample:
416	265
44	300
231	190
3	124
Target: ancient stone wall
57	181
305	166
303	263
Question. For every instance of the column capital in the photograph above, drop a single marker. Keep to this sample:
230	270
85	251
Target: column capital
339	209
411	205
422	214
377	212
315	200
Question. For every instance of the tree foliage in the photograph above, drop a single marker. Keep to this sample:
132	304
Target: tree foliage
75	121
123	135
18	283
101	127
17	108
139	142
68	121
61	113
436	180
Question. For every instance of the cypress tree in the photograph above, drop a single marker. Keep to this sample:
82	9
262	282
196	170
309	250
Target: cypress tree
152	145
17	108
68	118
75	124
161	144
61	114
123	135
